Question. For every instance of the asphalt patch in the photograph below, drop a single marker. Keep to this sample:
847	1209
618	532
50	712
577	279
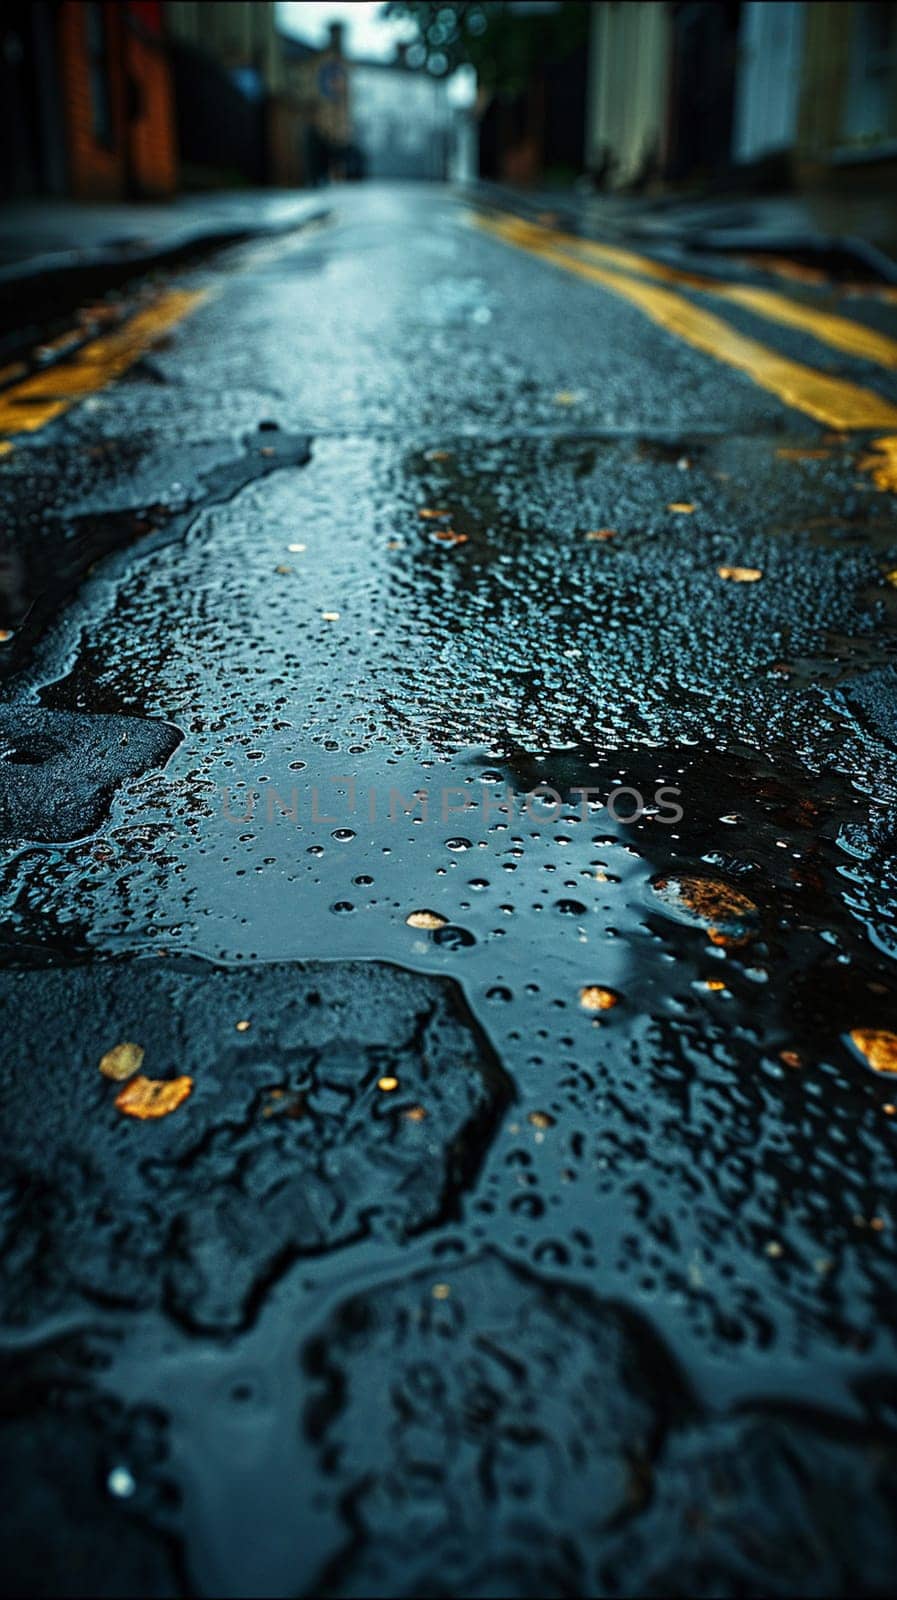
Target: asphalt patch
329	1104
60	769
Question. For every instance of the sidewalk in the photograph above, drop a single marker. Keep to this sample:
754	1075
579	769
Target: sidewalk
39	232
55	252
849	235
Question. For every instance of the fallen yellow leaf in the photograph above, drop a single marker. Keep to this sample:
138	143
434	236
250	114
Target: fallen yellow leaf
122	1061
153	1097
729	917
795	453
425	919
740	574
681	506
878	1046
540	1119
882	463
433	514
891	578
594	998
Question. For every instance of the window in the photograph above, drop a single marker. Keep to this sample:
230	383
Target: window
98	67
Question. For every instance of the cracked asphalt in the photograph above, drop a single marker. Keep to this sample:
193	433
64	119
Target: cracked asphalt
525	1224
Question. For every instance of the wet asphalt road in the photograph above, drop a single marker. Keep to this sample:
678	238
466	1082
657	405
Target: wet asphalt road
544	1243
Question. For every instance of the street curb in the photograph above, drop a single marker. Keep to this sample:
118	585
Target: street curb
35	292
867	257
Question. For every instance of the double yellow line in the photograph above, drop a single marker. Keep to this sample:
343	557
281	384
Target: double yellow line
37	400
835	402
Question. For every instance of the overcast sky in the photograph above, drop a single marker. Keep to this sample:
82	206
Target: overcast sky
367	34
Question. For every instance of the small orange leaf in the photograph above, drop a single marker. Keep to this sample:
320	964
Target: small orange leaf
728	916
878	1046
433	514
449	536
602	533
795	453
594	998
740	574
540	1119
882	463
153	1097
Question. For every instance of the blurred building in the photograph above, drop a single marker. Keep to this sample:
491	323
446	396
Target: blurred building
225	64
847	120
661	96
255	106
629	68
771	41
86	102
786	90
313	129
402	120
133	98
532	123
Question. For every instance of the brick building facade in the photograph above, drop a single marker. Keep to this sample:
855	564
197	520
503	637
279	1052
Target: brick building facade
117	94
86	100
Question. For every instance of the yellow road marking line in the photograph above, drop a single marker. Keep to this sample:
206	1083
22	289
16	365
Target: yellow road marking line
852	338
839	332
833	401
31	404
